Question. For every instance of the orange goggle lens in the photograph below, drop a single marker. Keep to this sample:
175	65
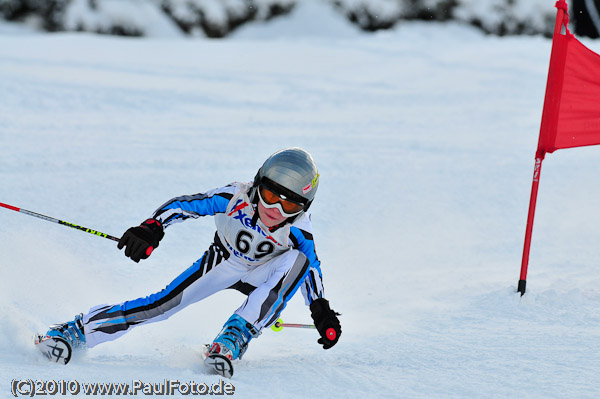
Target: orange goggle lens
272	198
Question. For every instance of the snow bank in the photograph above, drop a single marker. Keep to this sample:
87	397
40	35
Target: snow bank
219	18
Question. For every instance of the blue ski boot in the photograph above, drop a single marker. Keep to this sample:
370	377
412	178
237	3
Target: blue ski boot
229	345
60	340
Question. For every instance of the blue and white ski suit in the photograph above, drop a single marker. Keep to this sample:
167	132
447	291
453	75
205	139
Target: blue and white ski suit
268	265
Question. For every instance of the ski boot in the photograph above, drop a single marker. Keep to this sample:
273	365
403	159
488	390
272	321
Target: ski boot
60	340
229	345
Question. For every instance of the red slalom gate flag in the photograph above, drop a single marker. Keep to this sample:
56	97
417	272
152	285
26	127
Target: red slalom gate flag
571	115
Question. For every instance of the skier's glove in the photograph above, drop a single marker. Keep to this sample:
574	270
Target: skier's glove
140	241
326	322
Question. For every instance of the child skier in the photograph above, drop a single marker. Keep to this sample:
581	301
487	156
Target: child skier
263	247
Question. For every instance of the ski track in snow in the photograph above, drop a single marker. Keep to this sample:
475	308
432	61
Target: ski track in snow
424	137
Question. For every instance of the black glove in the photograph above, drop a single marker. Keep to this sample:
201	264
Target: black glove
140	241
326	322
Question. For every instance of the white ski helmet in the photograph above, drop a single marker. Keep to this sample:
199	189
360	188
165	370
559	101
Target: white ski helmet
291	173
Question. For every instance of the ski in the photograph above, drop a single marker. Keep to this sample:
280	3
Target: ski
55	349
218	363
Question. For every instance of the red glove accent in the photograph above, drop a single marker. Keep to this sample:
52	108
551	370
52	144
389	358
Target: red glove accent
331	334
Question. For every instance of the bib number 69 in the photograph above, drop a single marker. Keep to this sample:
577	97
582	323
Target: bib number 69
243	242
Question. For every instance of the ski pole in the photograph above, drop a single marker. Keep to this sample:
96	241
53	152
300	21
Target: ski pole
48	218
279	324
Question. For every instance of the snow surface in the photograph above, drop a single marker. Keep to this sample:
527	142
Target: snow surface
424	137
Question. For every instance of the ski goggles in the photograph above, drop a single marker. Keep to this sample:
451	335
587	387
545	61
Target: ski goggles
271	199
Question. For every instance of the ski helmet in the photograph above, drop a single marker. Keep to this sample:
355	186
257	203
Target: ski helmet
291	173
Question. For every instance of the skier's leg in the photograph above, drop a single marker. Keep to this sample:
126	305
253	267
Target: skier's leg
276	282
264	304
209	274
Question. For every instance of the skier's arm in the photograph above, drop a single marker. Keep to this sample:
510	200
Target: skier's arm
312	287
325	318
140	241
194	206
